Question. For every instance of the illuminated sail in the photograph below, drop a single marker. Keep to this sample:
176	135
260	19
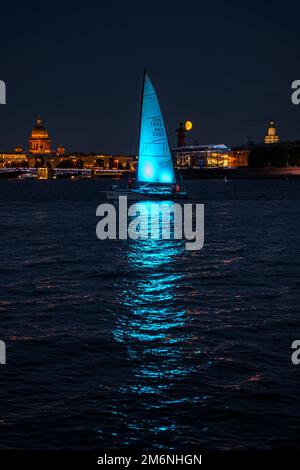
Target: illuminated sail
155	161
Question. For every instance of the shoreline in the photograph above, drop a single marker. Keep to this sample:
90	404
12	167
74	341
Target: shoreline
240	173
187	173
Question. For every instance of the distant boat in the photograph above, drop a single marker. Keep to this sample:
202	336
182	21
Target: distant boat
155	171
26	176
225	179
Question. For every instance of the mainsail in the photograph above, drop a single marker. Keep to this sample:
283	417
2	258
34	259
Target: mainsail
155	161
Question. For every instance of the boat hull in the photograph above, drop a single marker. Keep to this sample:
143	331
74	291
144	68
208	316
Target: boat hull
142	196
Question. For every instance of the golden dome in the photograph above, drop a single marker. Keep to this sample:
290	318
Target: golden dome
39	140
271	137
39	131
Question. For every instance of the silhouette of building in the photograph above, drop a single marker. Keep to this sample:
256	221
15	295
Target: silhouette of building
181	135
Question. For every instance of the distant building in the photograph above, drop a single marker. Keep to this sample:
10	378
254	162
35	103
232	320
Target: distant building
60	150
271	137
13	160
39	141
219	156
241	155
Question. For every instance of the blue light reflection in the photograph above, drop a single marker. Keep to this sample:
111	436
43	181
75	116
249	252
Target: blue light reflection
151	322
154	332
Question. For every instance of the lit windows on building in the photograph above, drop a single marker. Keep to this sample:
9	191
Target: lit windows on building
218	156
271	137
39	141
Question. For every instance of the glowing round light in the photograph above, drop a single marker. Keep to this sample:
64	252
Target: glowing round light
148	171
188	125
166	178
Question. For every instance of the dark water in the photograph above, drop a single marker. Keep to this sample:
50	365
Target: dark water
131	343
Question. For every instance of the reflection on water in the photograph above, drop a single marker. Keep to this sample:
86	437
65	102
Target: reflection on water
151	321
199	357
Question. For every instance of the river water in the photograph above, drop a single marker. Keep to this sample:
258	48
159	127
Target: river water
114	344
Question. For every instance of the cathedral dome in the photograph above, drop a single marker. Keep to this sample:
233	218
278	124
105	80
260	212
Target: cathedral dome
39	141
271	137
39	130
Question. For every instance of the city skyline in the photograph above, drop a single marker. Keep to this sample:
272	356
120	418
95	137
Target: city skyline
62	65
150	188
54	146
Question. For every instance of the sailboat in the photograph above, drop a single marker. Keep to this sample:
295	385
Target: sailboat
155	170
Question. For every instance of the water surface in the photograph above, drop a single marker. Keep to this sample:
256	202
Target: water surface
142	343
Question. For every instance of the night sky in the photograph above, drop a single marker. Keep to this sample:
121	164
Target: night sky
227	66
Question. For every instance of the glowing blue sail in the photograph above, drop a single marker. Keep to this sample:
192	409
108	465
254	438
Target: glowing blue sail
155	161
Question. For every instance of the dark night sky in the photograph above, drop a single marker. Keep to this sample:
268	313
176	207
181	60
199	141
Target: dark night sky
227	66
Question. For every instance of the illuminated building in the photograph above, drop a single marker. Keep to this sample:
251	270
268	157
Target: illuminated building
240	156
218	156
13	160
60	150
271	137
39	141
41	157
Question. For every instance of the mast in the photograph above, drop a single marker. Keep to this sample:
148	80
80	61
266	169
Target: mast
140	119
